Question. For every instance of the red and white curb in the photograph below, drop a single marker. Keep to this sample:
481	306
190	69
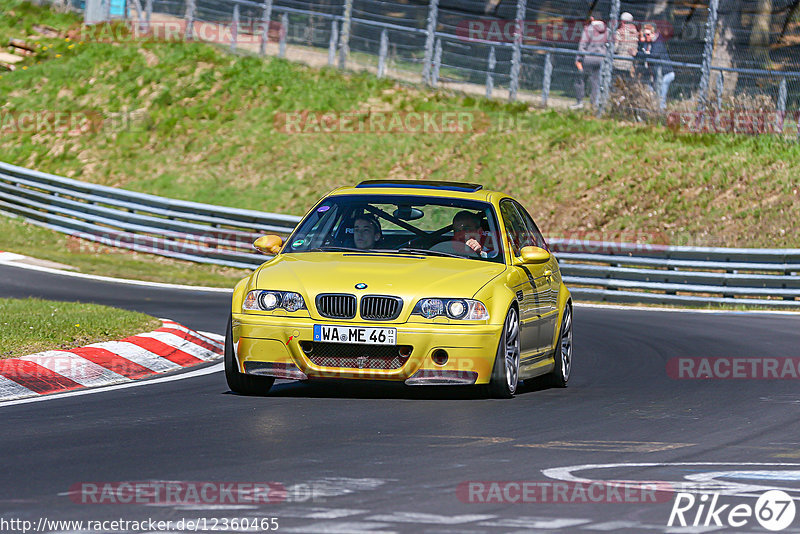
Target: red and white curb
171	347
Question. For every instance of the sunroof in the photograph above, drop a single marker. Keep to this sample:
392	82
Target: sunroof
420	184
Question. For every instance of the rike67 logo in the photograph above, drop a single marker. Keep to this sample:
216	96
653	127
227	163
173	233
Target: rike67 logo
774	510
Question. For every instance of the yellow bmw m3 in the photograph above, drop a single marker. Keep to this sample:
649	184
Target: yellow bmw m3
428	283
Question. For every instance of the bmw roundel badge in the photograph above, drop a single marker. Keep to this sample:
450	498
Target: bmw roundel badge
361	285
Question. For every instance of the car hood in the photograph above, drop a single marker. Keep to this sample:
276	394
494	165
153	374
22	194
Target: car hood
406	276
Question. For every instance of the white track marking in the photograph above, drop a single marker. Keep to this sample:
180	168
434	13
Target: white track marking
9	388
579	304
431	519
113	280
137	354
686	485
77	369
330	527
180	343
544	523
10	256
137	383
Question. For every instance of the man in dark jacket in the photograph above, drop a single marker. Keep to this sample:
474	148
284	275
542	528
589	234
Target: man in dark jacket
652	47
591	49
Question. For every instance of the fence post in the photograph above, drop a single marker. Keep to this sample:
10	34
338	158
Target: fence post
148	14
708	53
433	13
608	62
189	17
437	63
333	43
235	27
781	107
548	76
284	31
659	83
266	16
382	53
344	42
489	72
516	54
720	86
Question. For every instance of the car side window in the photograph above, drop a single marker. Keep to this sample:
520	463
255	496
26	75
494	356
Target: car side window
536	235
518	235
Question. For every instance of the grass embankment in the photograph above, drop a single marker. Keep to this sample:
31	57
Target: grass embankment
33	325
203	129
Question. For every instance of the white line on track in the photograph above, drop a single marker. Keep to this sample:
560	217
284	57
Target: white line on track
191	374
112	280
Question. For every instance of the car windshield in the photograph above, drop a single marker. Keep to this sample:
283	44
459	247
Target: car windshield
428	226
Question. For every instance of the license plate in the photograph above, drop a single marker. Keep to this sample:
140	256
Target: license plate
355	334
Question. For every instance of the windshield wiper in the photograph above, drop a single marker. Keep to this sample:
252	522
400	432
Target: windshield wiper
427	252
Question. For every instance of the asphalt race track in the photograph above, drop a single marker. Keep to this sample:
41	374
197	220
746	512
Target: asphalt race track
386	458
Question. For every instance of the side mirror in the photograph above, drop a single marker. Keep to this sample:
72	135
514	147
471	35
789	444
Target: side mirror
534	255
269	244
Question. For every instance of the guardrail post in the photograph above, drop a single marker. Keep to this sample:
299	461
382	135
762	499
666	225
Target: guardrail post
659	82
344	42
490	72
382	53
437	63
433	13
333	43
235	27
548	76
708	53
189	18
781	107
284	31
266	16
516	54
607	68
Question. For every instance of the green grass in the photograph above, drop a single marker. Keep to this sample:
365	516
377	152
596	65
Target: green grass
203	130
33	325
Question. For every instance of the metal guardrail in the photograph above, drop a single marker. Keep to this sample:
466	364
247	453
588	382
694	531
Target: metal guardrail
600	271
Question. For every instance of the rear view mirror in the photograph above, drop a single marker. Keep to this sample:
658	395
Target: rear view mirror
534	255
407	213
269	244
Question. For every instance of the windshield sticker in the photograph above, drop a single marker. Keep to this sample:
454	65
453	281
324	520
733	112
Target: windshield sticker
298	243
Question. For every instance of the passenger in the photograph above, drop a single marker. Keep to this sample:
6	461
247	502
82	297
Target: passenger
366	231
468	236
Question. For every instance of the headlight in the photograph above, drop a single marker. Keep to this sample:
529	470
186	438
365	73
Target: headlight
464	309
261	300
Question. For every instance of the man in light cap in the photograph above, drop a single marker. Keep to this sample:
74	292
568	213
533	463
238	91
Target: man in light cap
626	46
591	50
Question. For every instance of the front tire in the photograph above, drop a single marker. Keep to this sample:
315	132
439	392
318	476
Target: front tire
237	381
505	373
563	351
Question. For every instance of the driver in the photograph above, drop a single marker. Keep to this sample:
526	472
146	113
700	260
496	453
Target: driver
467	236
366	231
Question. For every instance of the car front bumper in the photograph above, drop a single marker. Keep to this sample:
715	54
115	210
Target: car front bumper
284	347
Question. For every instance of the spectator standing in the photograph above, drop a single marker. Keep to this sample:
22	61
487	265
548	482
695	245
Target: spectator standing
626	45
591	50
652	47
